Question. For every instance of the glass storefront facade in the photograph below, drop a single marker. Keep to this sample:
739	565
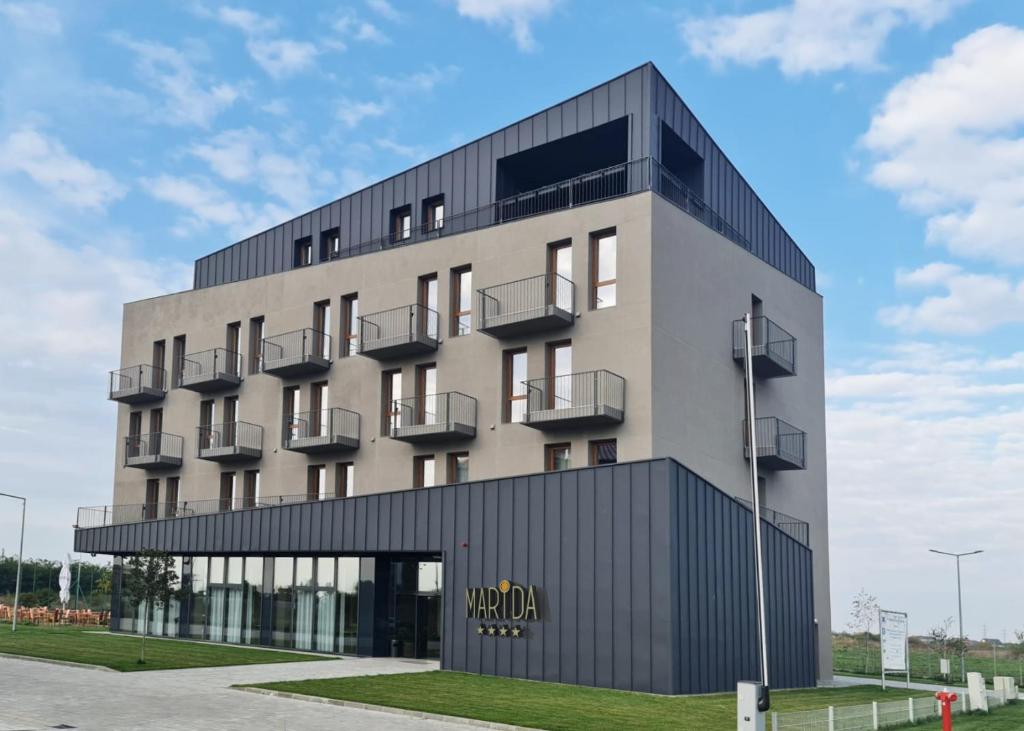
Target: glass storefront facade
302	603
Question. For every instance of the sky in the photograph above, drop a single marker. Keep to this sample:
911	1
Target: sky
886	135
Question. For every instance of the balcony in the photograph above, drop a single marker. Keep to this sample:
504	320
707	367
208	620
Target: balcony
434	418
138	384
153	451
780	446
327	430
526	306
212	370
396	333
235	441
797	529
298	353
773	350
593	398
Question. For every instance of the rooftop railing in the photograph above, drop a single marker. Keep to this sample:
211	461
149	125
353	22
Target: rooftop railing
138	384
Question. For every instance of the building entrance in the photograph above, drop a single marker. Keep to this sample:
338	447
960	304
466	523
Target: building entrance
414	608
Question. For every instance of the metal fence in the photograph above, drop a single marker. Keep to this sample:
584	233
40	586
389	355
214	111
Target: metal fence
209	364
327	423
587	390
436	409
777	438
239	434
397	326
525	298
874	716
294	347
767	339
793	527
157	444
136	378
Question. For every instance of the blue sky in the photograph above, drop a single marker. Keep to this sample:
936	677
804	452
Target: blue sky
886	135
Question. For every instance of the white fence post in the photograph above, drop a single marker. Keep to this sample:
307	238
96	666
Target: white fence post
831	718
874	715
775	721
910	709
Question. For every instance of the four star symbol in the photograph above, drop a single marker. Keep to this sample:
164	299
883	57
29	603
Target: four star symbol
491	630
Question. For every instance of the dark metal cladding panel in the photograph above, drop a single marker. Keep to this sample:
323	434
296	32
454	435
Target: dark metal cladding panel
643	570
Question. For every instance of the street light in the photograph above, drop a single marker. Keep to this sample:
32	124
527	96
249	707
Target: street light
21	545
960	604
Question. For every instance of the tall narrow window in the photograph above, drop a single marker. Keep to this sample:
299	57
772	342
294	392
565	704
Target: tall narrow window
227	491
330	244
423	471
557	457
560	264
159	351
433	213
316	482
321	326
427	298
152	499
171	497
602	269
290	409
426	394
603	451
134	445
318	410
344	479
233	339
462	299
231	419
391	391
156	426
177	360
251	489
257	331
513	375
401	223
303	253
458	467
350	325
558	369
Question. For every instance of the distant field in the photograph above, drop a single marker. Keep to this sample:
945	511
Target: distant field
848	658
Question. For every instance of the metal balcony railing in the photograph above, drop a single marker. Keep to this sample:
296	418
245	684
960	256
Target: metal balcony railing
210	370
231	441
773	350
158	449
795	528
297	353
138	384
434	417
533	304
576	399
780	446
398	332
321	431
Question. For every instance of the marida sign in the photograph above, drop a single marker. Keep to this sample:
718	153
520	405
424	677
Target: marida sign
506	602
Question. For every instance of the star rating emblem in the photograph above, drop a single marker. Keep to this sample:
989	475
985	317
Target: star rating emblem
516	632
481	629
490	631
503	631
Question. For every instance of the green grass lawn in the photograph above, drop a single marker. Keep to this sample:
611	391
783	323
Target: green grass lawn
121	652
562	707
1007	718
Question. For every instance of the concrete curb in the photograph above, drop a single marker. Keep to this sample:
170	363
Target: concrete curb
65	663
471	722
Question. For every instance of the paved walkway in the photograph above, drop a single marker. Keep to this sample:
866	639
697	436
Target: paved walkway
842	681
36	695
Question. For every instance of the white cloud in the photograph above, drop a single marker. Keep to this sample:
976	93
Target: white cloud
413	152
950	143
516	15
189	99
67	178
352	112
810	36
385	10
970	305
32	17
419	81
247	21
282	57
925	446
370	33
347	25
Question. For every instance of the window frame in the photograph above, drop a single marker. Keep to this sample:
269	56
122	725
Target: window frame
455	295
350	325
508	384
430	217
549	456
257	331
594	283
419	470
327	238
397	229
388	398
343	486
302	252
592	449
452	467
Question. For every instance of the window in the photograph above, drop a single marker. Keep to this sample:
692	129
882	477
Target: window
603	451
227	491
251	489
319	414
513	374
156	425
321	326
159	348
401	223
171	497
290	408
462	298
152	498
560	258
177	360
233	339
556	457
330	244
558	372
257	330
282	634
426	392
427	298
458	467
423	471
303	253
344	479
134	446
391	391
350	325
602	269
316	482
433	213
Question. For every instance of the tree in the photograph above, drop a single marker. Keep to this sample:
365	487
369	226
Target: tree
149	578
1018	652
939	635
863	614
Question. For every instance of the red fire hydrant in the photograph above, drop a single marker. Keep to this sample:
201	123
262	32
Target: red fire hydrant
946	700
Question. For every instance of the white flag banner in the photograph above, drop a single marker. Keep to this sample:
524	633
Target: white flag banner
892	628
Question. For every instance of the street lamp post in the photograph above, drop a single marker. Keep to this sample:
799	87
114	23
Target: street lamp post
960	606
21	546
